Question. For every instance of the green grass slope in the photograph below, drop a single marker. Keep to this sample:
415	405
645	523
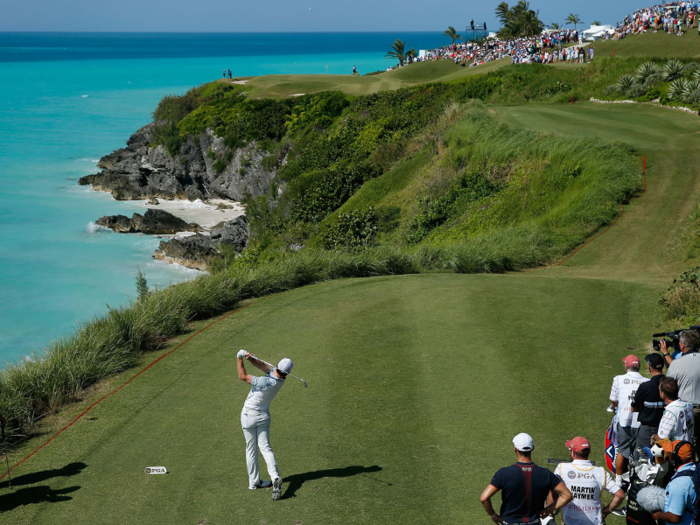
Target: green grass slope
275	86
659	45
416	386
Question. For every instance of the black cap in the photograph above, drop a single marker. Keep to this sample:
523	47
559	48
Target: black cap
655	361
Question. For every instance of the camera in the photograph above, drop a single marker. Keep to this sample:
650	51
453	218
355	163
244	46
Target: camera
673	339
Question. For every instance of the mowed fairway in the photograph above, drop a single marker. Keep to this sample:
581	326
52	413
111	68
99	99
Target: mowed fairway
417	384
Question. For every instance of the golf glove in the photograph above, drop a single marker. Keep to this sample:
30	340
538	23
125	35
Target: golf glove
241	354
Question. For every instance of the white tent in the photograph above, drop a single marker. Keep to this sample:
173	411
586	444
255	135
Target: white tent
596	32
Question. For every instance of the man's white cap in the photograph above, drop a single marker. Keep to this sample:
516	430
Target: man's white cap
523	442
285	365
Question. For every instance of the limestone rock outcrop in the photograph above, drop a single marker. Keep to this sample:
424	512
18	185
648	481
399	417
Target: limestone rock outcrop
153	222
204	168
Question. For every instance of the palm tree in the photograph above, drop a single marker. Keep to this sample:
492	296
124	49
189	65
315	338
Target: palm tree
531	24
451	33
573	19
503	12
597	23
554	26
398	51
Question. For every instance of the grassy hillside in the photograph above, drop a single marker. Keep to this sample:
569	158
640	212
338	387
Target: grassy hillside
659	45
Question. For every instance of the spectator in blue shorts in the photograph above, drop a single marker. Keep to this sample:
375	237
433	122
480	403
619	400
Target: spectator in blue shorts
524	489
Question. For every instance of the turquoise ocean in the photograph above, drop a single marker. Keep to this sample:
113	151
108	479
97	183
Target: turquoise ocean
67	99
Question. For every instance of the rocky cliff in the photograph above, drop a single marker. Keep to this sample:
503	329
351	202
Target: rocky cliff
199	251
204	168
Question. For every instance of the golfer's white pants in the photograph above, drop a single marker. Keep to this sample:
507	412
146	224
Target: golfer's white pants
256	429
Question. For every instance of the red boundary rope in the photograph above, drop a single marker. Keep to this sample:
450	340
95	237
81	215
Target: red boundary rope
81	415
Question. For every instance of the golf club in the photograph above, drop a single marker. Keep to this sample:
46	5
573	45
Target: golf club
273	366
4	446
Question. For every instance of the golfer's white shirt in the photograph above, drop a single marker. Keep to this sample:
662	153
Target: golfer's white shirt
624	388
677	421
263	392
585	482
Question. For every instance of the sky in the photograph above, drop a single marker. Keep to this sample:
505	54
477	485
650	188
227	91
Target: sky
284	15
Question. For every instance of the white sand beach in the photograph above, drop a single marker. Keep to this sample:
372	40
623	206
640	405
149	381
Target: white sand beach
204	214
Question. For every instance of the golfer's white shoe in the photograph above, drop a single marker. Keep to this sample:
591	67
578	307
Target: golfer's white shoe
261	485
277	489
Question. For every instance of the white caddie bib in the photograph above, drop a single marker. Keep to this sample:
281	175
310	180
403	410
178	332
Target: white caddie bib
585	483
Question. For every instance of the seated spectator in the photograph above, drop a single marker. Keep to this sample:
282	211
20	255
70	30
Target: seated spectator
679	505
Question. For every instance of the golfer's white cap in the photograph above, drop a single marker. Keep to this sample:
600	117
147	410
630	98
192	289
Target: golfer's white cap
285	365
523	442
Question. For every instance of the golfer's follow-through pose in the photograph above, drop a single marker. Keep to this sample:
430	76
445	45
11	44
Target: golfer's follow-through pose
255	419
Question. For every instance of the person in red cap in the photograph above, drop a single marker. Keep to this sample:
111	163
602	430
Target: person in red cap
585	482
624	388
679	504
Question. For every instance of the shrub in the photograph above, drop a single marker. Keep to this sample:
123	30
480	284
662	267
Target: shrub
652	94
636	91
681	301
645	71
673	69
219	165
610	90
354	229
625	83
677	89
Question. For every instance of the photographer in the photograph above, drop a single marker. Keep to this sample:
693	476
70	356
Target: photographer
686	371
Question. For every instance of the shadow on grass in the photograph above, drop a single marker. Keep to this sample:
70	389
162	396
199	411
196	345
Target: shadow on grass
11	498
37	477
297	480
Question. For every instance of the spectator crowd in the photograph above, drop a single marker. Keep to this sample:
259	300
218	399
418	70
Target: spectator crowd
553	46
671	18
654	444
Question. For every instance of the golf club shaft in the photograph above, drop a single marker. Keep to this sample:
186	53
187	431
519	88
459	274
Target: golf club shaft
273	366
7	459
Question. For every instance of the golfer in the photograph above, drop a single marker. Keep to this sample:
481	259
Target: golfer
524	489
255	419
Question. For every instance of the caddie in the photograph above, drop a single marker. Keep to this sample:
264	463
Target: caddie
624	388
255	419
585	482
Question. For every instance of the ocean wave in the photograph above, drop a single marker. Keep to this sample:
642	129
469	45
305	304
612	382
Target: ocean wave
96	228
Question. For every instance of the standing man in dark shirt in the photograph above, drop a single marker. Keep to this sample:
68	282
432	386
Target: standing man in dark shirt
524	489
648	403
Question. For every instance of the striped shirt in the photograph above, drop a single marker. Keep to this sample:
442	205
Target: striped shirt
677	421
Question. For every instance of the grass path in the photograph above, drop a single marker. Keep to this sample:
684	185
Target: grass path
416	383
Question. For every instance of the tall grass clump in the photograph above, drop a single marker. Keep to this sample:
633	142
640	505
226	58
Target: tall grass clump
681	301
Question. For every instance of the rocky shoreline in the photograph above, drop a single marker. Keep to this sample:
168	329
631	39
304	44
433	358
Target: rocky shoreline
204	169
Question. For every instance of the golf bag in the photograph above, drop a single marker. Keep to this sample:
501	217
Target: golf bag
643	473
